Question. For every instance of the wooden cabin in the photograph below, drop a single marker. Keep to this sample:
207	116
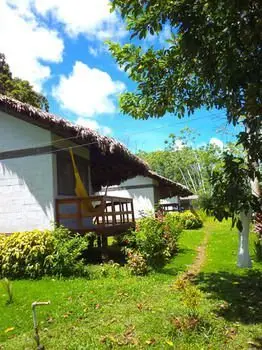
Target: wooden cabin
150	191
37	183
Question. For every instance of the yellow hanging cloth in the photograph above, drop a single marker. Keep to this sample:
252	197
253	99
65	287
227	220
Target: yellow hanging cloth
80	189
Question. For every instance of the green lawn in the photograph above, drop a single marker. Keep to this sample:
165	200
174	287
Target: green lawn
115	310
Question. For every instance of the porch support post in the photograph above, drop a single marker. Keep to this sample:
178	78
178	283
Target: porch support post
104	241
99	241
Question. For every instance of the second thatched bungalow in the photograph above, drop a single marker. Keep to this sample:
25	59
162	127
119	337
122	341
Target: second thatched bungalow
150	191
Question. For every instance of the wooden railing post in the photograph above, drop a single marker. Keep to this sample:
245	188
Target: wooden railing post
103	218
123	212
104	241
113	213
133	213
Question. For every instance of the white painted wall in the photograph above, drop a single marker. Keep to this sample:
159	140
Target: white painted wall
26	184
143	198
138	180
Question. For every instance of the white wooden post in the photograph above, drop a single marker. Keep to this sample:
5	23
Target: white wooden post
244	260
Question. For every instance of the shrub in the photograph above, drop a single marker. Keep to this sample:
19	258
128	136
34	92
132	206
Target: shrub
172	228
188	219
2	242
150	241
24	254
107	270
190	295
153	240
202	215
37	253
68	248
136	263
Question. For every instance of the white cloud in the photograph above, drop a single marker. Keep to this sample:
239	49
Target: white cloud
30	45
25	42
178	145
93	124
216	142
93	51
92	18
87	91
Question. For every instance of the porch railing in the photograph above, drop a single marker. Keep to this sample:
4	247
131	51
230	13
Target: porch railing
117	216
170	207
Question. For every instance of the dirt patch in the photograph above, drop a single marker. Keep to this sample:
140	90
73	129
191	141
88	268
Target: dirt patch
195	268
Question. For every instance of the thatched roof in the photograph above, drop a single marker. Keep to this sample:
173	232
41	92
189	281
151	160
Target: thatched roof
112	162
169	188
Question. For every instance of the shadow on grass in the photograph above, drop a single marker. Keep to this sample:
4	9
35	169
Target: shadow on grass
95	255
178	264
243	294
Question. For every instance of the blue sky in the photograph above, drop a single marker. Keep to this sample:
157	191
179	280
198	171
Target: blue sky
58	45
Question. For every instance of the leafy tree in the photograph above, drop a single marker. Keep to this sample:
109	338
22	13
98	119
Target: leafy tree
18	88
195	163
186	164
232	197
214	60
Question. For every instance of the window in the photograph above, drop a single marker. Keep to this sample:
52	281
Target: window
65	173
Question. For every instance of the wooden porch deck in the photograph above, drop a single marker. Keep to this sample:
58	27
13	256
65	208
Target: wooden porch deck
117	217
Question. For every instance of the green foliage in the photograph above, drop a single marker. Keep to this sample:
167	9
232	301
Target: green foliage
67	251
192	299
107	270
172	229
26	254
18	88
136	262
189	165
213	60
9	290
201	213
37	253
187	219
258	249
231	190
153	240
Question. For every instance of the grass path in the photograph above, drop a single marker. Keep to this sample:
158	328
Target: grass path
195	268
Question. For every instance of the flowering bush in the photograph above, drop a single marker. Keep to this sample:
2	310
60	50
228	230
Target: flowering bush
136	262
154	242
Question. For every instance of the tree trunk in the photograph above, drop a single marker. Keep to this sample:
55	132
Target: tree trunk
243	250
